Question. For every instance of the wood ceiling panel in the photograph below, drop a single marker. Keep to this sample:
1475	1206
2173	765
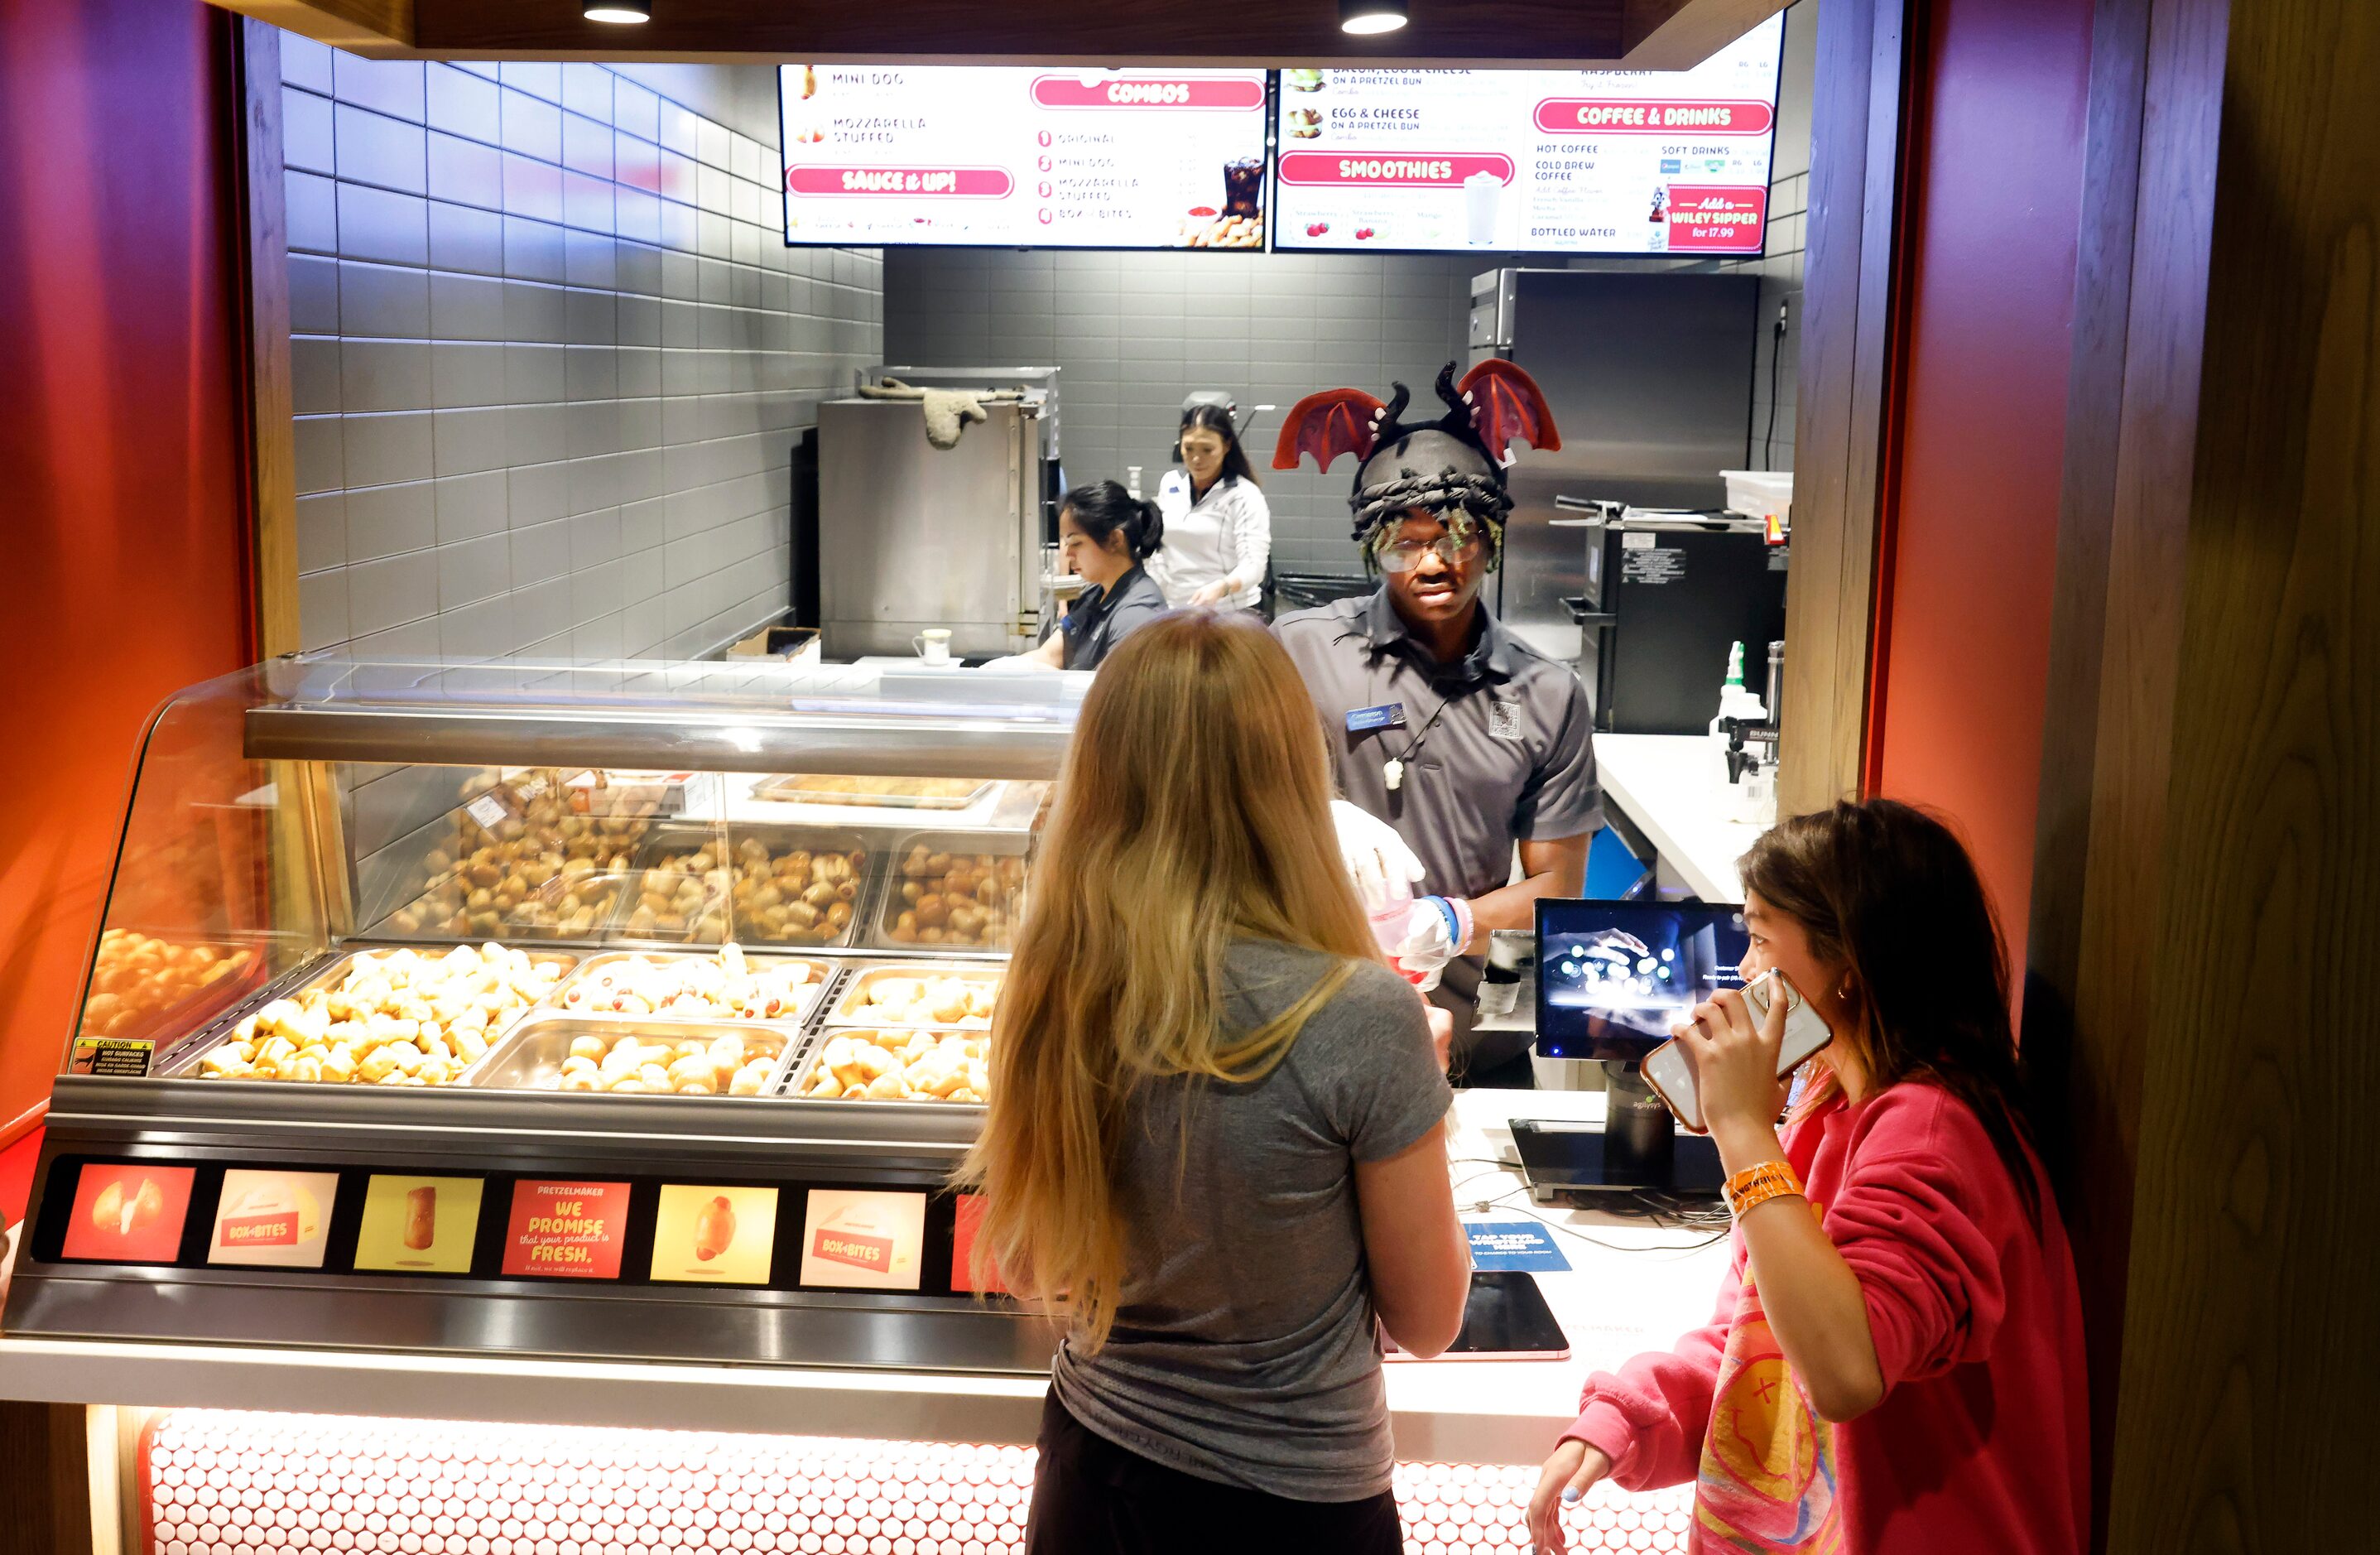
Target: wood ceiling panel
1072	31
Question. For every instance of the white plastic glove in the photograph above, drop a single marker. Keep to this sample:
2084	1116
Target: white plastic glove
1433	936
1377	860
1012	665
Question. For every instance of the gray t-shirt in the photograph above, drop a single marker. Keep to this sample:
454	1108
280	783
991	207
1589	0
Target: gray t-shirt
1244	1349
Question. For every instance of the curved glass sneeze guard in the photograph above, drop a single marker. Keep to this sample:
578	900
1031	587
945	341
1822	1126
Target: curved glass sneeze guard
196	919
704	688
279	812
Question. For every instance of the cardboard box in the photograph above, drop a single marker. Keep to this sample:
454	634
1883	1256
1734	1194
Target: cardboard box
797	644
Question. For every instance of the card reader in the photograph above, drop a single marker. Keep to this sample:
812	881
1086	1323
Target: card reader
1567	1163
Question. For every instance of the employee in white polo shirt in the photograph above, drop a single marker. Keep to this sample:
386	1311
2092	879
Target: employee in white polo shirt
1217	529
1475	748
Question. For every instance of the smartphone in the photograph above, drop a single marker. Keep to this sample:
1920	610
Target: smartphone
1505	1318
1671	1077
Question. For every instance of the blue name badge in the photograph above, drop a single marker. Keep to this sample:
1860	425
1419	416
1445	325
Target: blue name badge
1499	1245
1387	715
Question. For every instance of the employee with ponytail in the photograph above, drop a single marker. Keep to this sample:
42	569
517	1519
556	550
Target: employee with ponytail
1105	535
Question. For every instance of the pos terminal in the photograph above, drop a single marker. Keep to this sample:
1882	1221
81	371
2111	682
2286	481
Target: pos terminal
1611	979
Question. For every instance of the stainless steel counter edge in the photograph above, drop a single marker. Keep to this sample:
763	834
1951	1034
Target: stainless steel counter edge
913	745
468	1120
1482	1426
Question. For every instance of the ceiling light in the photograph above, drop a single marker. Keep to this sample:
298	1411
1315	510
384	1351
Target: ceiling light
1362	16
619	10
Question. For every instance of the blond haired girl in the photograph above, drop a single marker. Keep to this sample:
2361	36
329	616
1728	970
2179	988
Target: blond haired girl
1215	1149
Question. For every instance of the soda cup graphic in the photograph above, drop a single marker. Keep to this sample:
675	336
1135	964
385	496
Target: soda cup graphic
1482	192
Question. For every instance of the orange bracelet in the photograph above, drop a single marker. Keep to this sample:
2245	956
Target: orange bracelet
1755	1185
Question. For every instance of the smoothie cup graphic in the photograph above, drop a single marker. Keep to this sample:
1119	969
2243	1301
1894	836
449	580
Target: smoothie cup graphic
1482	192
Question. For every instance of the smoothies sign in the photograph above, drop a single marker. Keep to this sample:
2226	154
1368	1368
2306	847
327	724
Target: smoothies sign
1624	162
983	154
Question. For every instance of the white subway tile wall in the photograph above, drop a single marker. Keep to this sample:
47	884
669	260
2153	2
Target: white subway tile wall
549	356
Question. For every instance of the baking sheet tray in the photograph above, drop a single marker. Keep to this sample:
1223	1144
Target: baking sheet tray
844	1014
822	972
532	1057
946	793
185	1065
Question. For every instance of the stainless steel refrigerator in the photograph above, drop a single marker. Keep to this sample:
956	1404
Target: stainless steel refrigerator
1649	375
912	536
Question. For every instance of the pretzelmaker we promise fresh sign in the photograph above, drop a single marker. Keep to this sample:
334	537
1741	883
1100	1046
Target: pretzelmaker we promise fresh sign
572	1230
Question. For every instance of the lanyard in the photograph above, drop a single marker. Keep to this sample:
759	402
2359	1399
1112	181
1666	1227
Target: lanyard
1392	770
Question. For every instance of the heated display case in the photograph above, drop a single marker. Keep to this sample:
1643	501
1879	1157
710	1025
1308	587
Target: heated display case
634	1011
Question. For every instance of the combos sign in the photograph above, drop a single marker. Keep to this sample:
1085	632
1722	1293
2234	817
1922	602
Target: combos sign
1620	115
954	183
1405	170
1100	91
1716	218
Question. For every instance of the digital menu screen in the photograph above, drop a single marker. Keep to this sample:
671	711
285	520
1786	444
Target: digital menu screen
570	1230
128	1213
864	1238
1602	161
966	1223
1024	156
717	1234
425	1225
272	1219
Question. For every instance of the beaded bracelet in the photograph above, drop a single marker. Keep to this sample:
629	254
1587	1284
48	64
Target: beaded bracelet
1755	1185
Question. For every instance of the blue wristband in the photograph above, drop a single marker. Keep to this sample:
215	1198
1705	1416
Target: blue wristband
1453	920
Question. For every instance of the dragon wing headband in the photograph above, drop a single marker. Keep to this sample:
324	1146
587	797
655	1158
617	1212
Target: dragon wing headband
1454	464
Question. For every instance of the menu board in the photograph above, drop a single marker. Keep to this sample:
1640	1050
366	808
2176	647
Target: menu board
1024	156
865	1238
966	1224
419	1224
272	1219
725	1235
1604	161
132	1213
571	1230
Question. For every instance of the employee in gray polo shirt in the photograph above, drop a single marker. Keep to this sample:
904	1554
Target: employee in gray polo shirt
1444	725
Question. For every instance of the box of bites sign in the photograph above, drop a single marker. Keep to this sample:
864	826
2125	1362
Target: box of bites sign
867	1239
272	1219
568	1229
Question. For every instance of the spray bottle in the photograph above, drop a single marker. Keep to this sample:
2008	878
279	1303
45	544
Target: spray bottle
1734	700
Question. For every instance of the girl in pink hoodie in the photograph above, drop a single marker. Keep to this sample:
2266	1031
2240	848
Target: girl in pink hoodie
1896	1360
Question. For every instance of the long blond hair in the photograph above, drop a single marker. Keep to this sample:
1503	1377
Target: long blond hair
1193	810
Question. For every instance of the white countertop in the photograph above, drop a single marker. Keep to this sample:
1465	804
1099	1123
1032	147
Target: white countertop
1629	1289
1674	787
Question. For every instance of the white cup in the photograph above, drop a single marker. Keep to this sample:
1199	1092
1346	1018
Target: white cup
933	645
1481	193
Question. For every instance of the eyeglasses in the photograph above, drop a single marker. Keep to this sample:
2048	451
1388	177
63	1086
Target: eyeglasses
1404	555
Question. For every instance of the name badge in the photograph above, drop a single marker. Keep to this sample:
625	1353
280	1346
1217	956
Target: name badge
1387	715
1504	718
